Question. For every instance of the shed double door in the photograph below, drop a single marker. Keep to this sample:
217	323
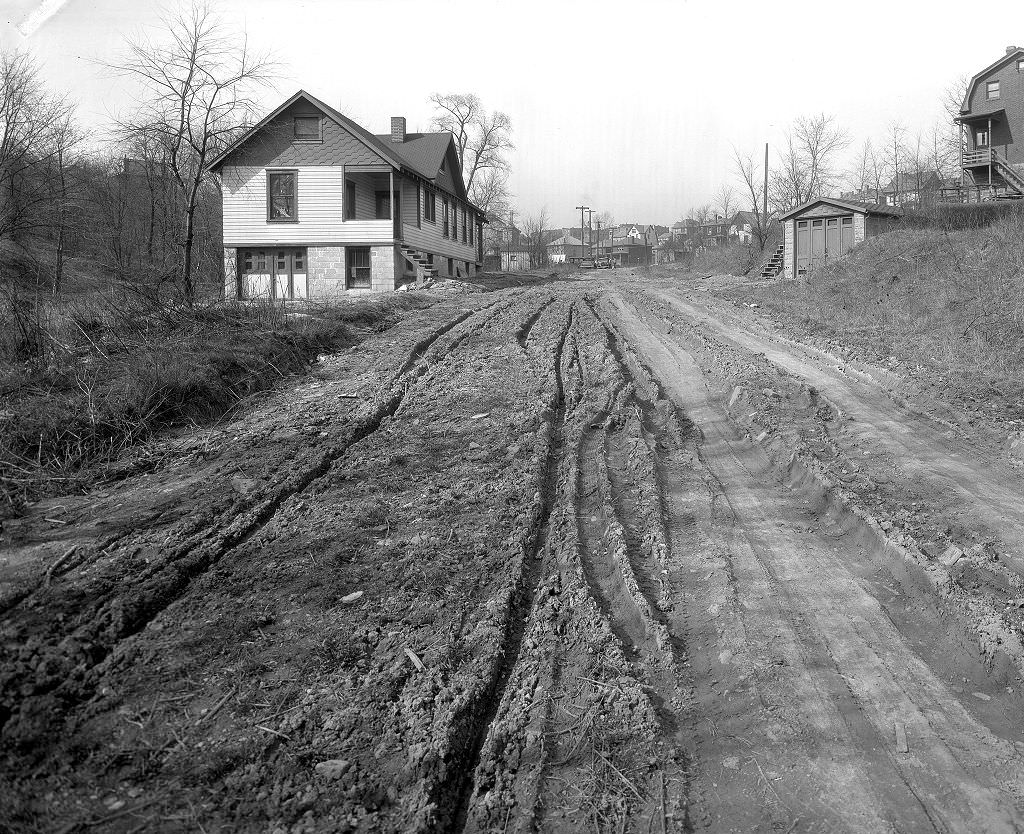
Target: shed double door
819	240
289	266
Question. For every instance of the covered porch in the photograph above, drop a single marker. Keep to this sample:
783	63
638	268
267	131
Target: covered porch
373	199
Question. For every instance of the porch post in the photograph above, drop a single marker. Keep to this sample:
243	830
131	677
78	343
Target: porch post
990	153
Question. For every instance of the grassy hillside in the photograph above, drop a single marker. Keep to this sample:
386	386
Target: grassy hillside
948	303
84	376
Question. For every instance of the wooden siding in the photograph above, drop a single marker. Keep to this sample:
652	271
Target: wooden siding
428	237
321	190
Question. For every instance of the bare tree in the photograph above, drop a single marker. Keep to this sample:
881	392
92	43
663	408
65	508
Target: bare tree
725	200
894	157
807	162
752	178
482	140
534	227
197	95
491	192
702	214
36	136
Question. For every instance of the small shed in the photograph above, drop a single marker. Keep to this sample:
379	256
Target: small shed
827	228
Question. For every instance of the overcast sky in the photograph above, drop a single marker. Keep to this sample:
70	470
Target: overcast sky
630	107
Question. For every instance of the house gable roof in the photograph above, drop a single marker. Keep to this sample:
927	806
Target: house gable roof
860	208
360	133
566	240
421	153
965	105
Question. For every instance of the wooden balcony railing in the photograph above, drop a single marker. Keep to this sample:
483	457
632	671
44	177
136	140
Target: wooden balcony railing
972	159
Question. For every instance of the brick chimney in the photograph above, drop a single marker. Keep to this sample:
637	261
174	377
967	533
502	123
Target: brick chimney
1010	49
398	128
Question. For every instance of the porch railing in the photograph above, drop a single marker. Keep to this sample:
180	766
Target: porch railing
974	158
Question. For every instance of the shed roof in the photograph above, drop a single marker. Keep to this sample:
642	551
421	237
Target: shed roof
566	240
851	205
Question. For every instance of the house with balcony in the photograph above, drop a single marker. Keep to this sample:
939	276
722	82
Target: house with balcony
992	123
316	206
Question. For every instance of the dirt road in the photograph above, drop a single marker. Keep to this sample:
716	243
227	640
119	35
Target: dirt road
598	554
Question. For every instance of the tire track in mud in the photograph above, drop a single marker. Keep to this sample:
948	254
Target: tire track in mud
876	780
465	786
523	333
117	616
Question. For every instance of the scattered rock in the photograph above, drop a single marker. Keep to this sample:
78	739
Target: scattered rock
332	768
950	556
353	597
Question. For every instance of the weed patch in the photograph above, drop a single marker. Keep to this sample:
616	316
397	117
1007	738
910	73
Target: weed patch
83	379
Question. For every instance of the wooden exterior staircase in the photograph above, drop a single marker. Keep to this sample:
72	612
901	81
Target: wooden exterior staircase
425	271
993	177
773	266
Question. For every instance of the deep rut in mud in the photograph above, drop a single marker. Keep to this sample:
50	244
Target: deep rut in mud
554	577
117	614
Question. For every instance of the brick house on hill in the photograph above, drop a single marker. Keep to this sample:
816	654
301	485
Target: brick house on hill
992	121
315	206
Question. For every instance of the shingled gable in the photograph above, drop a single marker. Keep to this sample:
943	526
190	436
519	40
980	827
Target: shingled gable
421	153
361	134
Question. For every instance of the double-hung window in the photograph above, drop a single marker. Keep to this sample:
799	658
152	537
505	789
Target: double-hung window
455	222
464	234
282	196
382	205
981	139
444	228
992	90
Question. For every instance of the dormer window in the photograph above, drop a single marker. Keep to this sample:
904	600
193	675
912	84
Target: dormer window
1020	65
992	90
306	128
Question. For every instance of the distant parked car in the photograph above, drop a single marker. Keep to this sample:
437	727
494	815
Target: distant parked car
604	263
588	263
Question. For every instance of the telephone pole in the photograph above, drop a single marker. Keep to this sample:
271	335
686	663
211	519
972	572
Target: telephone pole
590	229
765	209
582	209
511	232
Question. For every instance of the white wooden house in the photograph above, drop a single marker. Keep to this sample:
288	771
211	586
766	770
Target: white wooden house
315	206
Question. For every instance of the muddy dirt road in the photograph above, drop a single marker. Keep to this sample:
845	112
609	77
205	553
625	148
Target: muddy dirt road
598	554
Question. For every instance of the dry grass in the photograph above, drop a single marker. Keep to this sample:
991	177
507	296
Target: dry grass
83	378
948	301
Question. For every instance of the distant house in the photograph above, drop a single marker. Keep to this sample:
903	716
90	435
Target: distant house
316	206
992	123
743	226
912	188
565	249
822	230
516	259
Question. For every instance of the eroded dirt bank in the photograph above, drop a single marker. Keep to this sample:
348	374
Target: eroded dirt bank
570	557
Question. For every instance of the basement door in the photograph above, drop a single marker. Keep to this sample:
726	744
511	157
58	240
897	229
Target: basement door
289	274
